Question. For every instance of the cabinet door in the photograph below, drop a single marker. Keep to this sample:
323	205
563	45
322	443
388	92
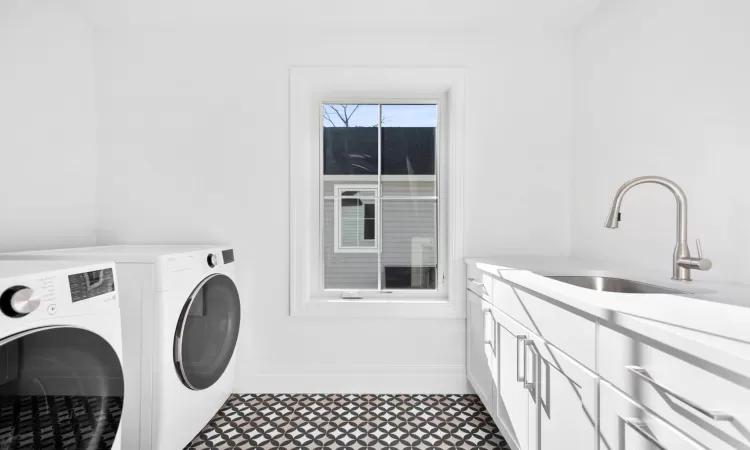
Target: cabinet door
625	425
562	411
479	331
513	397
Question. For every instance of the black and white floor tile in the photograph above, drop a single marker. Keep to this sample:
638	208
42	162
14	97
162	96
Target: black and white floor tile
424	422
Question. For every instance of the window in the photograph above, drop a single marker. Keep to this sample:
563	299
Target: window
376	224
354	219
385	219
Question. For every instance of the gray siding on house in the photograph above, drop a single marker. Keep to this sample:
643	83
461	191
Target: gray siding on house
409	235
345	270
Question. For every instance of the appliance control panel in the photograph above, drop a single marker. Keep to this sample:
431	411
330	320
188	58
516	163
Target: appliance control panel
53	293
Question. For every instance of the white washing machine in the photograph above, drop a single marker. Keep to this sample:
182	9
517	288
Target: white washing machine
181	317
61	371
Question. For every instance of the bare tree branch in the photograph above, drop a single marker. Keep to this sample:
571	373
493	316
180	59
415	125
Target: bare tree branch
327	116
338	113
342	111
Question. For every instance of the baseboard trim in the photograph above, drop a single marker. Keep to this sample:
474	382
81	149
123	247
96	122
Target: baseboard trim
357	380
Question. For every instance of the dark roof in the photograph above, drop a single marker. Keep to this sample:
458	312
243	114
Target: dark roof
354	151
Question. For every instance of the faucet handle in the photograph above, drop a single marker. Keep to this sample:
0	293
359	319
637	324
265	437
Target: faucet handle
699	263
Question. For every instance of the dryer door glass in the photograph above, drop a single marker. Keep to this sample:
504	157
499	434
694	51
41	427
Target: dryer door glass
60	388
207	332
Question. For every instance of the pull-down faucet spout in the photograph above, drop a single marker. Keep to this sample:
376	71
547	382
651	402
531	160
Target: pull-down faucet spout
681	260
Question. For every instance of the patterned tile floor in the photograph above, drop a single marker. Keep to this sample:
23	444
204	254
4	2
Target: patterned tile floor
425	422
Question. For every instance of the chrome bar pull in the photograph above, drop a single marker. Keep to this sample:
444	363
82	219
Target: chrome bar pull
717	415
641	428
490	342
527	344
521	338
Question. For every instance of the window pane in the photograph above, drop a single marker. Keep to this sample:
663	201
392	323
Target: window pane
409	237
350	261
352	227
369	231
350	139
408	149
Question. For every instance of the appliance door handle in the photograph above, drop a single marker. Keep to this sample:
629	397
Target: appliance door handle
717	415
519	339
641	428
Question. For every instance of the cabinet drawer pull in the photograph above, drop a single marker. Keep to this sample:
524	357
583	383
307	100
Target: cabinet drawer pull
473	280
641	428
641	373
519	339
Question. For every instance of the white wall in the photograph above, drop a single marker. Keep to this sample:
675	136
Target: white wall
48	155
195	149
661	87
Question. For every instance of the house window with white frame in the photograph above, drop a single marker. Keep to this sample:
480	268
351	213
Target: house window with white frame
354	222
376	191
380	202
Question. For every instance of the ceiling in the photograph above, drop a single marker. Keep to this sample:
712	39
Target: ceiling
344	14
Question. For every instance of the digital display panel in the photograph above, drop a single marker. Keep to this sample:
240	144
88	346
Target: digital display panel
90	284
228	256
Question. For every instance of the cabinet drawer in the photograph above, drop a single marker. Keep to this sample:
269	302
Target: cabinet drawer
479	282
573	334
711	408
625	425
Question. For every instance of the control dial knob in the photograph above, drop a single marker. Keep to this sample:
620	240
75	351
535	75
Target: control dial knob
212	260
16	301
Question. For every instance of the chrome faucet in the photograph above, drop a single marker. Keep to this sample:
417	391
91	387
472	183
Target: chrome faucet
681	260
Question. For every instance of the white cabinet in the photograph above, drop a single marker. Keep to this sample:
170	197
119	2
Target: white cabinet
710	407
514	398
563	411
555	379
479	345
545	399
625	425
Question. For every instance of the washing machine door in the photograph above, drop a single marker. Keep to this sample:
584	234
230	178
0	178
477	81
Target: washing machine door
60	388
207	332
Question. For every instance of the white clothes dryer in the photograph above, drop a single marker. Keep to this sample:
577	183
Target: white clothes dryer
61	370
181	318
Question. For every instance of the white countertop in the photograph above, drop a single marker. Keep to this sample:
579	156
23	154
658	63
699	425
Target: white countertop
715	314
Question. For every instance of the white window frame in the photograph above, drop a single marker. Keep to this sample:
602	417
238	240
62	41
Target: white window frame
310	87
337	217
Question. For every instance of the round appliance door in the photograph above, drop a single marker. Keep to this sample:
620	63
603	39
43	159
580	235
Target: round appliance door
60	388
207	332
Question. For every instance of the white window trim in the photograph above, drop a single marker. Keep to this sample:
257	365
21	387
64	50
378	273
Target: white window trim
337	247
311	86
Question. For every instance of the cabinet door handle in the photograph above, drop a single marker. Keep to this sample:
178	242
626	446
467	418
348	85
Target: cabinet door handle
490	342
641	428
641	373
521	338
527	344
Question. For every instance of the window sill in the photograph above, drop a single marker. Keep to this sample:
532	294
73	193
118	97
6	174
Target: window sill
424	308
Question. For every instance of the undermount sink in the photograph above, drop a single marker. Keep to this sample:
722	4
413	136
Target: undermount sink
623	286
